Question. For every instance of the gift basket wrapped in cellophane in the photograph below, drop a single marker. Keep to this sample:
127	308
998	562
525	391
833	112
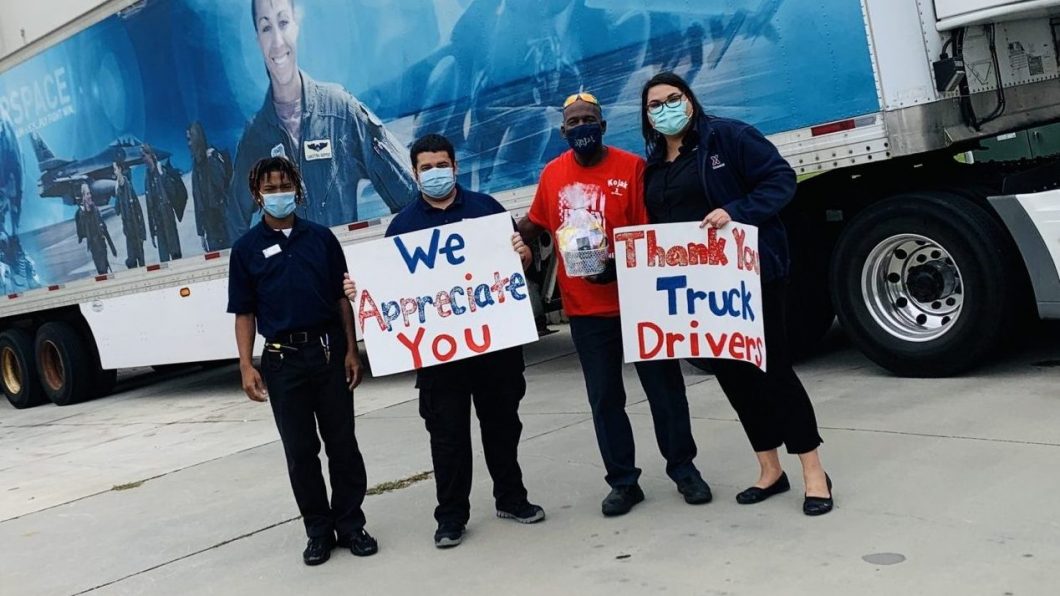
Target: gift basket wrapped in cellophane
582	242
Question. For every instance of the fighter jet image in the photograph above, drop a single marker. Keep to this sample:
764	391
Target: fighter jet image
749	25
62	178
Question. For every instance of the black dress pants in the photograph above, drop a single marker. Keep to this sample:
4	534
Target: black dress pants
773	406
598	341
496	385
307	392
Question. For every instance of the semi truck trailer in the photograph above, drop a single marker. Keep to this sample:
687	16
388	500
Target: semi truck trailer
110	108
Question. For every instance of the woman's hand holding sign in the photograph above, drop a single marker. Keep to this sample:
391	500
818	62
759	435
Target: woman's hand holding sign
718	218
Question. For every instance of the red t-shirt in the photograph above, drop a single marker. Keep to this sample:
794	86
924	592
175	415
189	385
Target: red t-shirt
615	193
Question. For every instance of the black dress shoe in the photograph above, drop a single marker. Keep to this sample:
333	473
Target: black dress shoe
318	550
360	543
757	495
819	505
695	489
621	499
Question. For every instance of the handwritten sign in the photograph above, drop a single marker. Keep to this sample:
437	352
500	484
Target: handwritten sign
688	292
441	295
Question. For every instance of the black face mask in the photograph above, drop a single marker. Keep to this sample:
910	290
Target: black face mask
585	139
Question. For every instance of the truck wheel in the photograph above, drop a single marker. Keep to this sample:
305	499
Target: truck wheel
923	283
64	363
18	369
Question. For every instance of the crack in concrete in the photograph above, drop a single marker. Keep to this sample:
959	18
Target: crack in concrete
380	489
186	556
934	436
155	477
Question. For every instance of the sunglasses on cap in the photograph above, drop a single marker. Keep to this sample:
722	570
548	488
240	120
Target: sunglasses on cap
586	97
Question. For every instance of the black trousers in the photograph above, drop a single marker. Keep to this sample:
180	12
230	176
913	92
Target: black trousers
495	383
773	406
306	392
134	248
598	341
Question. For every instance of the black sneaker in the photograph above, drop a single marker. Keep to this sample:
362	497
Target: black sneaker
527	513
695	490
360	543
318	550
449	534
621	499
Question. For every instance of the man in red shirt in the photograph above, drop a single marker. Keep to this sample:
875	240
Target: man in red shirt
608	183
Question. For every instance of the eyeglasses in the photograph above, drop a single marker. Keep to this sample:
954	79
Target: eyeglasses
655	106
586	97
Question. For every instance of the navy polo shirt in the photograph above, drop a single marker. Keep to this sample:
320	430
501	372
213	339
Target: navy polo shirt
289	283
421	215
496	369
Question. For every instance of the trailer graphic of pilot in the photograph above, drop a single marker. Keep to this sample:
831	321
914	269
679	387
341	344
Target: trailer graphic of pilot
335	140
91	227
132	215
211	173
10	176
161	215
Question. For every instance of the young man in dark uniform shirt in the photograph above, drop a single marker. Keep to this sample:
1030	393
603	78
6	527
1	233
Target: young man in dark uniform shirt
493	381
285	275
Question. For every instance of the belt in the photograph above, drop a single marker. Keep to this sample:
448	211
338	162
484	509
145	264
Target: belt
298	337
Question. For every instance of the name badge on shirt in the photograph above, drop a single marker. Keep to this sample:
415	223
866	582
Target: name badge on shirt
272	251
319	149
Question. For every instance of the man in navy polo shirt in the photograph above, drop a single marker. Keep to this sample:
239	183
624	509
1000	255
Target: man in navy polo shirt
285	275
493	381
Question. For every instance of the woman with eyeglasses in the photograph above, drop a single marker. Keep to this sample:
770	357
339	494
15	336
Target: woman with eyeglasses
716	170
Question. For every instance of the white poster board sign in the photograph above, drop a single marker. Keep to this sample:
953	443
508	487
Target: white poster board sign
440	295
690	292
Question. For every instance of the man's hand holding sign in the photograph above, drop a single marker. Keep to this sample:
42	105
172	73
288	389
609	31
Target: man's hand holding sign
688	291
442	294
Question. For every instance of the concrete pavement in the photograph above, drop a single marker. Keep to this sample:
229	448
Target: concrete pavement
950	480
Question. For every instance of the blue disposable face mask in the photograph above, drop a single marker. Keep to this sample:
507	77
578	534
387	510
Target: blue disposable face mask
437	183
585	139
279	204
671	120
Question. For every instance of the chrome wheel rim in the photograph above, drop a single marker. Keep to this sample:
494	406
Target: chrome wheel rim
912	287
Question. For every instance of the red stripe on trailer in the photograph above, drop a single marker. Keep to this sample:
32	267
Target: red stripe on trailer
357	225
154	267
12	296
53	288
102	277
827	129
211	256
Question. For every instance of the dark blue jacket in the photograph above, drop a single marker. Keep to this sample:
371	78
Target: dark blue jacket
743	173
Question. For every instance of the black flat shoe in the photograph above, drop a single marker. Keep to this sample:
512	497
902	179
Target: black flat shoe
819	505
757	495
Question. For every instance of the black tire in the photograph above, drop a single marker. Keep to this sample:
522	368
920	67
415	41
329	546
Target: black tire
104	382
18	370
810	312
64	363
982	252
